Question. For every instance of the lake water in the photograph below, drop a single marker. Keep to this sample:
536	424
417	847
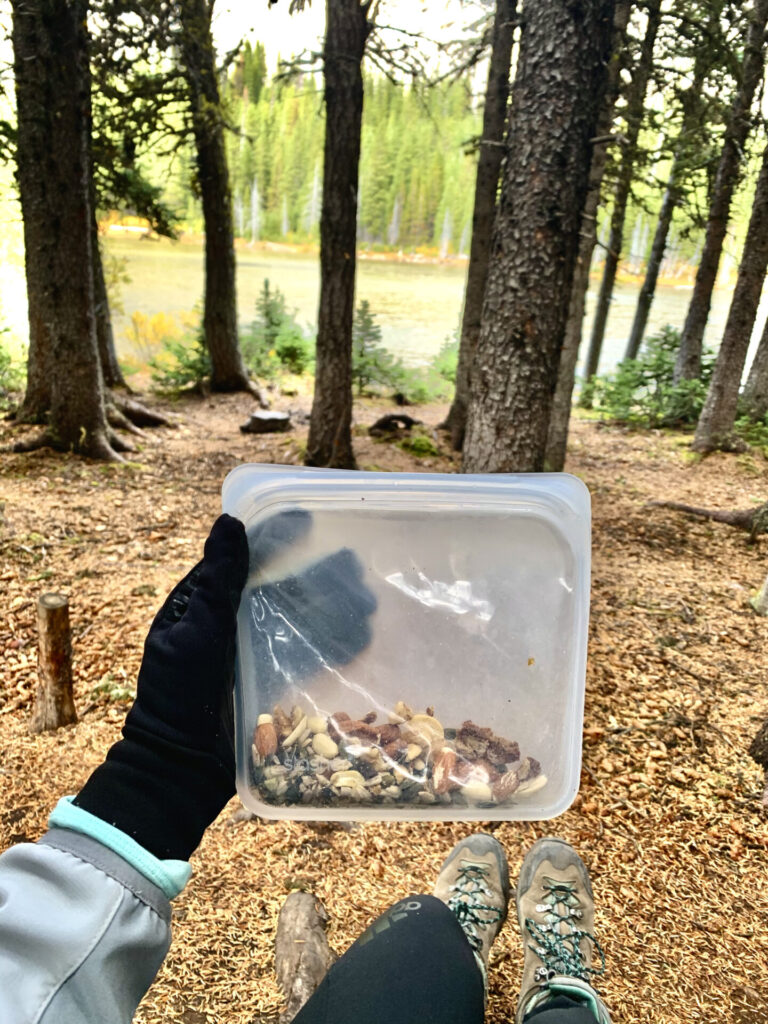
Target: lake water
418	305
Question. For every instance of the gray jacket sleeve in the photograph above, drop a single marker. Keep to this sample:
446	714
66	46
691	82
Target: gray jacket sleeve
82	933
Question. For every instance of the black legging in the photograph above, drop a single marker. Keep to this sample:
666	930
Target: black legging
414	966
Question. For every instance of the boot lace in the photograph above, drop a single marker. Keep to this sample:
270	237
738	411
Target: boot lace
558	940
470	902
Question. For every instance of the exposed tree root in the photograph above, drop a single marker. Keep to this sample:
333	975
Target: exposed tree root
115	418
139	415
99	447
753	520
118	443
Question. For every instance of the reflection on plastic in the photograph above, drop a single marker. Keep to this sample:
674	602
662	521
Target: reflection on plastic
312	621
456	597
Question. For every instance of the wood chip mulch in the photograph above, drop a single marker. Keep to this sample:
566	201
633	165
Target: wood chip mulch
668	818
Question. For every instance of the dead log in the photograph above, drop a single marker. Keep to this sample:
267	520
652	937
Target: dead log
753	520
54	704
302	953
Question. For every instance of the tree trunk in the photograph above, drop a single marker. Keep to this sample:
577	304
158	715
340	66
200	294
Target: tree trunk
228	371
54	704
53	104
330	436
688	364
559	88
634	119
715	427
484	212
755	396
645	298
105	338
557	436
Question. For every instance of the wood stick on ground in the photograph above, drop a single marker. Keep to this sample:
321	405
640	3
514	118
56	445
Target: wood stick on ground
54	704
753	520
302	953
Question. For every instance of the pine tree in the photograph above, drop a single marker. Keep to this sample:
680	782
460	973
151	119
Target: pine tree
561	66
688	365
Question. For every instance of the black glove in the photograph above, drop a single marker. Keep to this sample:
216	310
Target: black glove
174	770
170	776
301	624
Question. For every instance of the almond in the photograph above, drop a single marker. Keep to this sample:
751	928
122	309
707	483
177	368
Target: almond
265	736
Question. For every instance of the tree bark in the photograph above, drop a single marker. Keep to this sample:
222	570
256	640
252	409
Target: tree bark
54	704
634	119
330	435
715	427
105	337
559	88
302	953
688	364
755	396
557	436
53	106
228	371
484	212
645	299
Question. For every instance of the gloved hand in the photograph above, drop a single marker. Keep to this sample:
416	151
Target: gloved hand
174	770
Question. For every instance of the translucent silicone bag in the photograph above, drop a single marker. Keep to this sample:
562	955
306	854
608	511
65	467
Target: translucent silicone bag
410	646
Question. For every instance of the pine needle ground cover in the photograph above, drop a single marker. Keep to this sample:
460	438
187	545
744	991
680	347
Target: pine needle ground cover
668	815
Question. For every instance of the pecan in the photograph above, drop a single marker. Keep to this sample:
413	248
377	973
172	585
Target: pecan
491	769
443	771
370	718
395	749
529	769
505	786
501	751
388	733
283	724
360	730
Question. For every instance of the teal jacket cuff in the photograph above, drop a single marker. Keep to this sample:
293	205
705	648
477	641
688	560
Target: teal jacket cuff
170	876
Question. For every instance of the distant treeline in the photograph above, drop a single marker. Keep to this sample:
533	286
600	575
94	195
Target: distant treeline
417	166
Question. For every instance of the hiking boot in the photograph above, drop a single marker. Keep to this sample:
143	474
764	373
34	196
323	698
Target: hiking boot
474	884
556	912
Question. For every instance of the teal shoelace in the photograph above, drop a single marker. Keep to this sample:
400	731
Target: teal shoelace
469	904
558	941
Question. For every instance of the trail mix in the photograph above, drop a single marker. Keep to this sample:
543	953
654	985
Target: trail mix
299	758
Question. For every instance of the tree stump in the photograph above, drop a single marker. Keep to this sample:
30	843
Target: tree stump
267	423
54	705
302	953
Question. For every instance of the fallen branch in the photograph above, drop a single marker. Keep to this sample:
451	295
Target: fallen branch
753	520
302	953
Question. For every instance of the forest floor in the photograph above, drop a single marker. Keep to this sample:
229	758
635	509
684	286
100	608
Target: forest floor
668	817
